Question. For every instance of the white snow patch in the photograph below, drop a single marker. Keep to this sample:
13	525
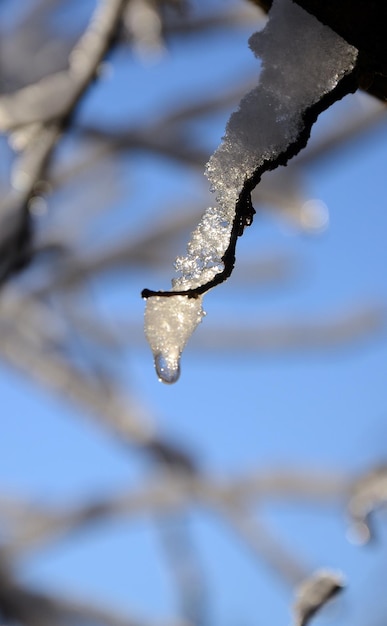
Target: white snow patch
302	60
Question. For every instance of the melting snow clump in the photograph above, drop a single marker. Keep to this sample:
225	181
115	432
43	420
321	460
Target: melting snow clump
169	323
302	61
208	243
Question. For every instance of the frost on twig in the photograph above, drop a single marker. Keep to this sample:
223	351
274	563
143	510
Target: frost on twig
368	493
306	67
35	117
314	593
55	96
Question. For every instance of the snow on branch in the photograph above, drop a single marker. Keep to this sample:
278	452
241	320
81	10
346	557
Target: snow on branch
55	96
306	67
367	495
313	593
35	117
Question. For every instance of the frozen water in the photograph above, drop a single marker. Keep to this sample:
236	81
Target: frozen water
302	61
167	371
314	592
169	323
207	245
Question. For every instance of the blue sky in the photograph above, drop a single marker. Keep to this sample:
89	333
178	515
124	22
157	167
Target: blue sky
312	409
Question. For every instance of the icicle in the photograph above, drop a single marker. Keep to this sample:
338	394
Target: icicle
303	61
169	323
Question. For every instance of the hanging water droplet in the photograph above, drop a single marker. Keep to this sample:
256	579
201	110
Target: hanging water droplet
169	323
168	370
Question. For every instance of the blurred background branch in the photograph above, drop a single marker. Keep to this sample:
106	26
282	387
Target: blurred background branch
109	112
